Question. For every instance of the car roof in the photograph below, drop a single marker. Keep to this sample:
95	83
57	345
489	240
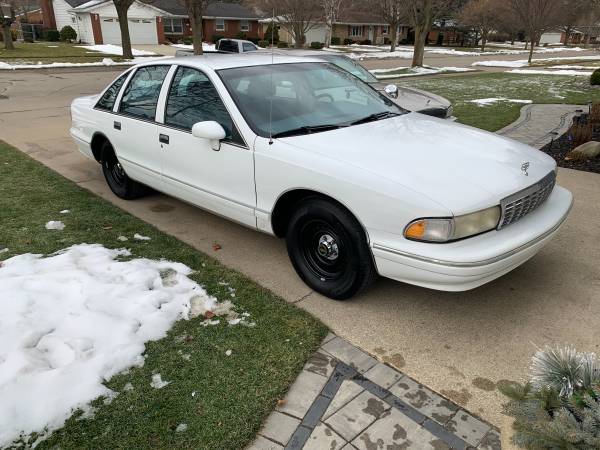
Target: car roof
218	61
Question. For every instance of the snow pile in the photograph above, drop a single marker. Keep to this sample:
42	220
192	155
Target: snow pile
416	71
524	63
104	62
139	237
158	382
55	225
551	72
205	47
111	49
493	101
76	318
381	55
517	63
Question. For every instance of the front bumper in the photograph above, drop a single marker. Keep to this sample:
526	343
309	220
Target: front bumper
467	264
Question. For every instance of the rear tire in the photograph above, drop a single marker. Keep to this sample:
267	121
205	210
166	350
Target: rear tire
116	178
329	250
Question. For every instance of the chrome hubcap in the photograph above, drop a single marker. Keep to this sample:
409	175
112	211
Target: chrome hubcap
328	247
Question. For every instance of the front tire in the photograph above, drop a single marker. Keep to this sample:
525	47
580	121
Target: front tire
116	178
329	250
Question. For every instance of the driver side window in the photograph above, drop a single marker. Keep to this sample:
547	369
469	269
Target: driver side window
192	99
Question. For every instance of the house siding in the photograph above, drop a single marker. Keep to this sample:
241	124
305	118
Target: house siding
84	29
61	14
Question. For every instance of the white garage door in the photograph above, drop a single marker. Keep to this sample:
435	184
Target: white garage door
141	31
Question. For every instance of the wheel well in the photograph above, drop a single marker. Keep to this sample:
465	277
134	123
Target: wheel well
97	142
284	208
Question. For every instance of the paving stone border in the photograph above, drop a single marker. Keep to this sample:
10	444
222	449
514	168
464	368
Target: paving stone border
539	124
346	399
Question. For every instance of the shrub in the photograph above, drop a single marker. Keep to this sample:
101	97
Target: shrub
282	45
187	40
366	42
317	45
386	41
68	34
275	34
595	78
580	133
348	41
52	35
263	44
216	38
335	40
242	35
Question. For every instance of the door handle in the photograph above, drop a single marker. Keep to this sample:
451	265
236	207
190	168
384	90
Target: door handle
117	125
163	139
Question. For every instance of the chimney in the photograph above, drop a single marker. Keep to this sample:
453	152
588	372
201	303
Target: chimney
48	14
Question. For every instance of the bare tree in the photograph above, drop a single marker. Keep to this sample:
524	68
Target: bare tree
7	17
536	16
482	15
508	22
298	17
569	14
422	14
591	19
393	12
195	10
332	10
122	7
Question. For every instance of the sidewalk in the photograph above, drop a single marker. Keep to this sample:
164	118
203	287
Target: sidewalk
346	399
539	124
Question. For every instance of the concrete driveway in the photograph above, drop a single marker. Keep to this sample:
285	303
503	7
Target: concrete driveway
459	344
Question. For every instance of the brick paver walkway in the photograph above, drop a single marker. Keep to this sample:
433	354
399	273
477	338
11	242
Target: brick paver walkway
539	124
345	399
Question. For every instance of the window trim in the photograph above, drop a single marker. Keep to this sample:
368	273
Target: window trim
163	116
118	97
171	21
353	27
117	109
217	28
247	27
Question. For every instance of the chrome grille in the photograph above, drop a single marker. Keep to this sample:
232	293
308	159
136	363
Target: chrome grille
523	202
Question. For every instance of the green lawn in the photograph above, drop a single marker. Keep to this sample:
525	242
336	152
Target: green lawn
234	394
49	52
539	88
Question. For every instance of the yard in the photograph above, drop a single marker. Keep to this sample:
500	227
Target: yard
232	376
493	100
51	52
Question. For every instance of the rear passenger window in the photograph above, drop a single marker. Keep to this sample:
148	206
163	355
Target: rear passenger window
141	94
248	47
107	102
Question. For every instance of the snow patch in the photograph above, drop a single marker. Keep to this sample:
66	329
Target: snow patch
111	49
140	237
72	320
551	72
55	225
205	47
122	238
493	101
416	71
158	382
4	250
182	427
65	211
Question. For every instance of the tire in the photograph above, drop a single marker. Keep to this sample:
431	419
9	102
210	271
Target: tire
116	178
329	250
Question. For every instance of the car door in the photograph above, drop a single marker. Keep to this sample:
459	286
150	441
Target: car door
135	132
220	180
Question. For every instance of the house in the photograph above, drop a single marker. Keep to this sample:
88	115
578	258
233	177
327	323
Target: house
358	26
150	21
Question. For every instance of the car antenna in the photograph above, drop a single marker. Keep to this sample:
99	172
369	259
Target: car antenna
271	96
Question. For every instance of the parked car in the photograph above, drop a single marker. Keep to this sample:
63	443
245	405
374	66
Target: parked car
407	97
226	46
298	148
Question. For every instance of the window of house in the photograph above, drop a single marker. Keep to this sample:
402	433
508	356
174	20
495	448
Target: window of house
173	26
385	29
141	95
244	25
192	99
107	102
355	30
220	24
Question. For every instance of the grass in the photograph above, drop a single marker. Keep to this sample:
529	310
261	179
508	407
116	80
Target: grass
234	394
49	52
539	88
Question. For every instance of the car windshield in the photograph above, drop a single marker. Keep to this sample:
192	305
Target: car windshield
351	66
289	99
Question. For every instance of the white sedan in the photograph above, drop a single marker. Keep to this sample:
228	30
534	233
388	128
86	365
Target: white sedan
301	149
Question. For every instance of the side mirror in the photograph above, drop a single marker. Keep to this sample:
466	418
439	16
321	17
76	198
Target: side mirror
392	90
210	130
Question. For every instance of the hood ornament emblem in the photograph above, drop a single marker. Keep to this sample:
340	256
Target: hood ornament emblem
524	168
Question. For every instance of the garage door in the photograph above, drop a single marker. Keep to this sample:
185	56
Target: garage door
141	31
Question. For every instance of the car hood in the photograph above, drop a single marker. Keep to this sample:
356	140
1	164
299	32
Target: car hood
459	167
415	99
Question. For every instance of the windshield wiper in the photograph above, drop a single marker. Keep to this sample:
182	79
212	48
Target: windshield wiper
375	117
308	129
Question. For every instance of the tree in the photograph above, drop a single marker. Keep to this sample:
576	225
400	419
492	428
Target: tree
298	17
68	34
422	14
393	12
591	19
508	22
332	10
482	15
122	7
7	17
195	10
569	14
536	16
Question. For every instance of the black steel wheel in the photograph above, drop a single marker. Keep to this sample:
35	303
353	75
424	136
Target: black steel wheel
116	177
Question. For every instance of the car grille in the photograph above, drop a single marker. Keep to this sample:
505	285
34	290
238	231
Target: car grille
518	205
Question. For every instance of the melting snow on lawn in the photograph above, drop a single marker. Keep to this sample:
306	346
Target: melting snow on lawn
551	72
416	71
76	318
492	101
55	225
111	49
524	63
104	62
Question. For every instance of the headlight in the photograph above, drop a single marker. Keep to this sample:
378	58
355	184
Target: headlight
451	229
